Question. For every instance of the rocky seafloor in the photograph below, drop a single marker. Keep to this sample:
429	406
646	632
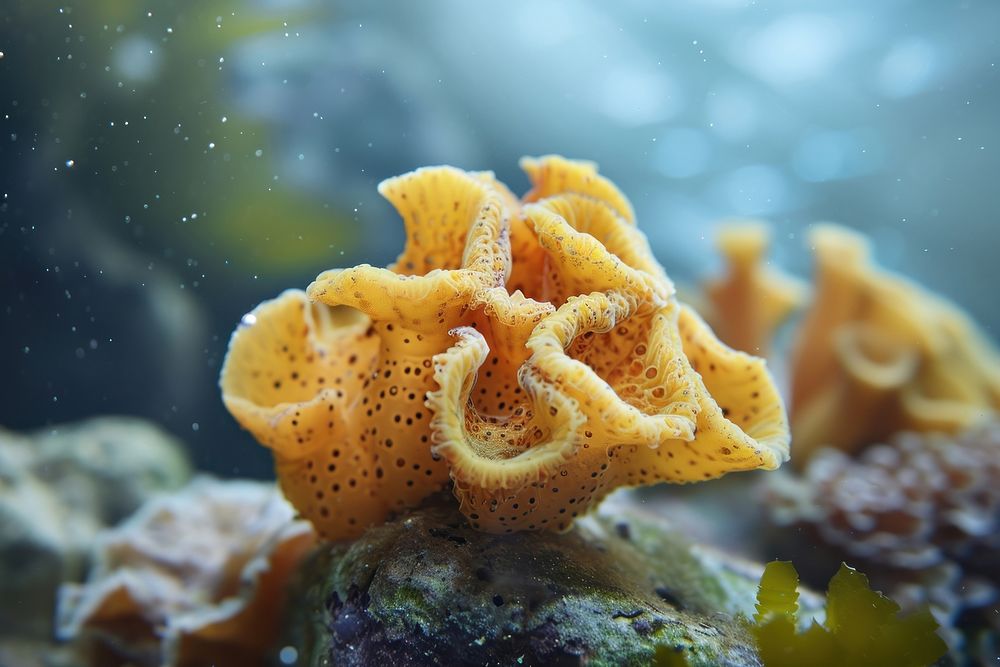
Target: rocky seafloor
113	555
622	587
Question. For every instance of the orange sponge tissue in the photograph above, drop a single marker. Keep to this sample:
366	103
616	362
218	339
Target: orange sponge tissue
531	353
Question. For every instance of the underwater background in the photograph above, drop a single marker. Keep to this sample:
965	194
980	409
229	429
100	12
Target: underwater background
166	167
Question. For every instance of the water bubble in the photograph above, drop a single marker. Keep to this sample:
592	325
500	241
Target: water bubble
288	655
797	47
908	68
135	58
195	426
258	152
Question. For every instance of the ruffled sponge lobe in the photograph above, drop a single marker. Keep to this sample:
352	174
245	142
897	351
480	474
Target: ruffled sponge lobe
878	354
531	351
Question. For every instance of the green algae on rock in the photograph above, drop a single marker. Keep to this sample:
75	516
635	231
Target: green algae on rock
621	588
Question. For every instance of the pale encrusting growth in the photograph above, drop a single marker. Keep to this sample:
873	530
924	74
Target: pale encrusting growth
197	577
534	353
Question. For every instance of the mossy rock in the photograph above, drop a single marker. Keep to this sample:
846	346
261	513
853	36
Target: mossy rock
621	588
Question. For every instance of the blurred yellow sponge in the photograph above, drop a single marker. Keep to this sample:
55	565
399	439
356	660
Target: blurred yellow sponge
878	354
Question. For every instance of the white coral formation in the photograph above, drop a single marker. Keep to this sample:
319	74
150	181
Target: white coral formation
917	502
58	489
197	577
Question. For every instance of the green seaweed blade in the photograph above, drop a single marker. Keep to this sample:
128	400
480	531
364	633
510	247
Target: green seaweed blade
777	594
863	627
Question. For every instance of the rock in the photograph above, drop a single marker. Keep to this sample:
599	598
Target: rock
59	488
621	588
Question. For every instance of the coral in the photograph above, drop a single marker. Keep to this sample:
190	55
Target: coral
193	578
622	587
884	351
58	489
913	503
922	513
862	627
751	300
554	358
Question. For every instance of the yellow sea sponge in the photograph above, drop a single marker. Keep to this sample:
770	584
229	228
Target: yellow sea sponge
546	340
336	389
623	386
553	175
877	354
581	432
752	299
294	377
589	248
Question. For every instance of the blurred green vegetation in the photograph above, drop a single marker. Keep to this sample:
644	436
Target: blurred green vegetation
862	627
131	117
